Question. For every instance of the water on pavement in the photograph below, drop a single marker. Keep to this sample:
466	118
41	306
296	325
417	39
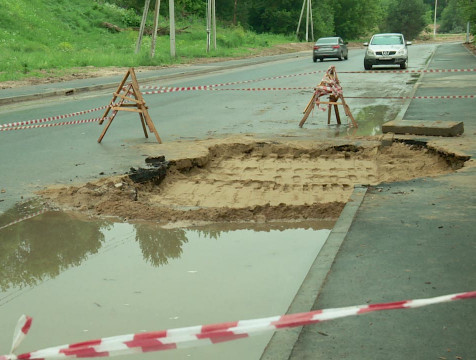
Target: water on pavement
82	279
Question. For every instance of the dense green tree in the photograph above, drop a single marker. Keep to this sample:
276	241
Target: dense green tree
353	19
441	5
278	16
323	18
468	10
452	18
407	17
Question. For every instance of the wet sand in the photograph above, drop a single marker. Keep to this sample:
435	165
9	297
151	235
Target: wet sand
246	179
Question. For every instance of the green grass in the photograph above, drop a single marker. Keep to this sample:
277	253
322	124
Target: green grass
41	38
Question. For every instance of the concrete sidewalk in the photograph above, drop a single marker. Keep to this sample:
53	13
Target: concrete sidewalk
409	240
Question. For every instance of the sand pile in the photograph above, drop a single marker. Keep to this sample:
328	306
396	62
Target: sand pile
253	180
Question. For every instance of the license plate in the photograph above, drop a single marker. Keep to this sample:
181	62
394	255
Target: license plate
385	58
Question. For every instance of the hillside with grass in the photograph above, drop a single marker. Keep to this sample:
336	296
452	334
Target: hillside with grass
49	37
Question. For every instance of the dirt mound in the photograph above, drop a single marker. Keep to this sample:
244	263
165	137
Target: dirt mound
258	180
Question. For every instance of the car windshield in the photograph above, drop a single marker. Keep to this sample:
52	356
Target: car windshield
327	41
387	40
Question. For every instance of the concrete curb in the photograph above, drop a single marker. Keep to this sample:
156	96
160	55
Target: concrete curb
282	342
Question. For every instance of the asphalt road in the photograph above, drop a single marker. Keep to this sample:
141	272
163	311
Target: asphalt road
33	158
411	239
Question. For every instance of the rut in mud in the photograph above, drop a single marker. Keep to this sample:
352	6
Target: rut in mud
255	181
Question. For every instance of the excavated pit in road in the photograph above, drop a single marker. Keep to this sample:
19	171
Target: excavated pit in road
252	181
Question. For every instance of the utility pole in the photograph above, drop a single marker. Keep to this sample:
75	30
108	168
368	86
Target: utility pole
307	21
300	18
156	26
214	25
209	18
308	6
172	27
142	25
312	26
234	13
434	22
467	32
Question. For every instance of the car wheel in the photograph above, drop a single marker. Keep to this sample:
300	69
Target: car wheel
346	56
321	59
404	65
340	57
367	66
314	59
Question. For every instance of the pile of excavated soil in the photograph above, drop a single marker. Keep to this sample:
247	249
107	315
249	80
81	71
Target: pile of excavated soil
251	181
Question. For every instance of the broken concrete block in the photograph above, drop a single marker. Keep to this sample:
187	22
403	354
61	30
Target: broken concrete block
424	127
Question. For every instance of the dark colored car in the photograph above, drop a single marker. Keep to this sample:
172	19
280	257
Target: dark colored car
330	47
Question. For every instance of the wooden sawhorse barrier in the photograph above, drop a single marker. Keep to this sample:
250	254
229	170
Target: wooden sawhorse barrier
130	100
329	85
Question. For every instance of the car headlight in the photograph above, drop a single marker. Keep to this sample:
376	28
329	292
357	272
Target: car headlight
370	52
402	51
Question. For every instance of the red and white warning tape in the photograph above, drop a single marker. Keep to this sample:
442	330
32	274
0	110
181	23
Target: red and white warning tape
214	89
26	124
311	88
414	97
206	334
406	71
48	119
24	218
74	122
207	87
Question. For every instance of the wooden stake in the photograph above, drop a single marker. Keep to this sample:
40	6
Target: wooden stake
329	78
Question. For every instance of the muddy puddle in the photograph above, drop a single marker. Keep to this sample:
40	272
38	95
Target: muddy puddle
255	181
83	280
370	120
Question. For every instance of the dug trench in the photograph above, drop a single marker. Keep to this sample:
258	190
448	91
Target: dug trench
251	180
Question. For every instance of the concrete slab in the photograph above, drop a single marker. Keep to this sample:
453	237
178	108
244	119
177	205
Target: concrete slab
424	127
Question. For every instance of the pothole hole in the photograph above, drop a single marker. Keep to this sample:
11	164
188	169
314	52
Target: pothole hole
255	181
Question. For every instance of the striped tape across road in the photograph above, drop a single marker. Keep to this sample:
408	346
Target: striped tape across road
205	334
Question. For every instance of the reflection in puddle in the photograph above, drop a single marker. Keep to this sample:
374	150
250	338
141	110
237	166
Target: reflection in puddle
83	280
370	120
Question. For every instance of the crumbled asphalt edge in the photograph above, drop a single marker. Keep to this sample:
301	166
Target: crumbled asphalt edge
155	173
455	161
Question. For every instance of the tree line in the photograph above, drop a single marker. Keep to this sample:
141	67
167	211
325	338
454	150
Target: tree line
350	19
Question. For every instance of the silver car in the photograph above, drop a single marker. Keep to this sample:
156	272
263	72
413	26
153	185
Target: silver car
386	49
330	47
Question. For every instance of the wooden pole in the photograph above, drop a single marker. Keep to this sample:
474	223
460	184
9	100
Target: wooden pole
234	13
142	25
208	24
156	26
307	21
172	27
300	18
467	33
312	25
214	25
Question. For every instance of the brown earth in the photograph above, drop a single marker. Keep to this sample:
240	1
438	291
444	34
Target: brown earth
242	179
